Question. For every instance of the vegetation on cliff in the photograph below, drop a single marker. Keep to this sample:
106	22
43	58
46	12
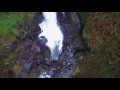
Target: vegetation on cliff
102	34
11	24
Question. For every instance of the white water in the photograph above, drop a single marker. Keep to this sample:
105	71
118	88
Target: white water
44	75
51	31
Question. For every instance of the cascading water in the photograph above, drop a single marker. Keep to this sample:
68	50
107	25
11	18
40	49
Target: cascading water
51	31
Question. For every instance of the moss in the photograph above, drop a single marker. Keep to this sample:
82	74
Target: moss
5	65
32	74
83	16
10	19
11	23
74	16
101	31
17	68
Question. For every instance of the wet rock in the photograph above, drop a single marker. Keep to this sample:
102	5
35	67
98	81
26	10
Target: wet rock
42	69
28	65
27	43
36	48
73	42
43	40
52	71
44	75
24	74
11	74
23	34
47	61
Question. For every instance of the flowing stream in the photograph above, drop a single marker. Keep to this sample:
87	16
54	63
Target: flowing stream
53	35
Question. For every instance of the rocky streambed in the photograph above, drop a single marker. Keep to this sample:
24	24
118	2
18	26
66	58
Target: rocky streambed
33	55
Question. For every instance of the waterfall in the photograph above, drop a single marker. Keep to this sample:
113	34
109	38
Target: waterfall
51	31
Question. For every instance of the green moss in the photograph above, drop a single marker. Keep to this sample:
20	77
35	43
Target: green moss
74	16
83	16
116	15
9	19
11	23
17	68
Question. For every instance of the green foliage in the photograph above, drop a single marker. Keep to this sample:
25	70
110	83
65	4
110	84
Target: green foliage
101	31
11	23
74	16
8	20
83	16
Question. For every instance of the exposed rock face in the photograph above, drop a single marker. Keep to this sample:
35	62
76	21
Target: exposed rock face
72	42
